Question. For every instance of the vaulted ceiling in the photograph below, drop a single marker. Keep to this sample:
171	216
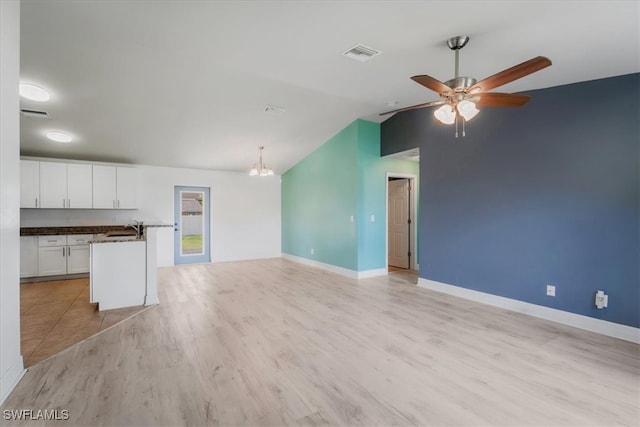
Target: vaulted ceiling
186	83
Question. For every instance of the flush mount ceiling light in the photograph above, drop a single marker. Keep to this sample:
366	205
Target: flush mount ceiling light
59	136
33	92
260	169
459	96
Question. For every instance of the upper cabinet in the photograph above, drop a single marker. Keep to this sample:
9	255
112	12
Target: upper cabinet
29	184
127	188
115	187
60	185
104	187
79	188
65	185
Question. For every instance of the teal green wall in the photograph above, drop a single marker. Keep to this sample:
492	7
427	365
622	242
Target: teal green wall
319	195
344	177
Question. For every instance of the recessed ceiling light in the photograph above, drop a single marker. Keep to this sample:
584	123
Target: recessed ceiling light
33	92
59	136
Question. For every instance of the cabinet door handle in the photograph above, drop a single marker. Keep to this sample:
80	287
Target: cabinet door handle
69	250
63	251
36	202
118	203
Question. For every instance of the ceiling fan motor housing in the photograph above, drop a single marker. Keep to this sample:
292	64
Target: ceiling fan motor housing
460	84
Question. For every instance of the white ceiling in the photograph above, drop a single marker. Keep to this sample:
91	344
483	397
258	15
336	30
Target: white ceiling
185	83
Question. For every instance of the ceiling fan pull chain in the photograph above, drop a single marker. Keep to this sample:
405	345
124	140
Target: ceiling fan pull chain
463	123
456	125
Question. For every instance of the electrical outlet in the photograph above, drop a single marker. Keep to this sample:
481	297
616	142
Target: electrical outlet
312	251
351	219
551	290
602	300
373	218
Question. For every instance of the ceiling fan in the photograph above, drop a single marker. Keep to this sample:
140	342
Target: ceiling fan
460	96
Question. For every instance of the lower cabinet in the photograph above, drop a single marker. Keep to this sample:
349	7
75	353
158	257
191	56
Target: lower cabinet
78	259
28	256
78	253
54	255
52	260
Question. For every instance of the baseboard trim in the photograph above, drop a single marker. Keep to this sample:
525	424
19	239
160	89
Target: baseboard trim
611	329
10	378
335	269
366	274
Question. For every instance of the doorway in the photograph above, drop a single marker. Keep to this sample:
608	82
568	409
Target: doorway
401	214
191	225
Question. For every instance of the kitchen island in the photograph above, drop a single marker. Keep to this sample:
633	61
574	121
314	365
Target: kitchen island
118	272
123	269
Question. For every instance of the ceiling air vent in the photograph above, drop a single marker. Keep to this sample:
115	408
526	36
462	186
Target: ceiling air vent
274	109
361	53
35	113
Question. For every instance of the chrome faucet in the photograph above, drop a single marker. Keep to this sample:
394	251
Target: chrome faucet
137	226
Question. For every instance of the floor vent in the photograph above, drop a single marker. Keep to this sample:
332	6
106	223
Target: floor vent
361	53
35	113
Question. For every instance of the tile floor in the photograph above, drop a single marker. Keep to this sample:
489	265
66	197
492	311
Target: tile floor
55	315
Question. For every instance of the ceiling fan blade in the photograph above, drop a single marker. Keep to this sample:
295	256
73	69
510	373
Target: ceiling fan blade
510	74
415	107
431	83
492	99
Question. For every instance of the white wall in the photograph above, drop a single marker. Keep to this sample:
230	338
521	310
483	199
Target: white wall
245	212
11	366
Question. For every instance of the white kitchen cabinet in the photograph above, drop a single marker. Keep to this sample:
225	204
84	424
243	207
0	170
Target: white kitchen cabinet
78	253
61	255
127	188
53	185
28	256
79	188
29	184
65	185
78	259
115	187
52	255
104	187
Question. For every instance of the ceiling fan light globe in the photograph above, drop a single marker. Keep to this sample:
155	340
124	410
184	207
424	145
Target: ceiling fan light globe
445	114
470	115
467	109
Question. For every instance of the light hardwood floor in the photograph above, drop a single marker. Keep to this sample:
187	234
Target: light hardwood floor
54	315
272	342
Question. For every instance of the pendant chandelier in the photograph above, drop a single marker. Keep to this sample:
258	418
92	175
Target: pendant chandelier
260	169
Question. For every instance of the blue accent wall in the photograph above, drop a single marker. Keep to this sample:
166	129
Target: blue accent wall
543	194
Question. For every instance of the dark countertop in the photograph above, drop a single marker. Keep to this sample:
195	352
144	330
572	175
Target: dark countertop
79	229
74	229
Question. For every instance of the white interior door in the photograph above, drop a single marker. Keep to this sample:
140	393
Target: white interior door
399	225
